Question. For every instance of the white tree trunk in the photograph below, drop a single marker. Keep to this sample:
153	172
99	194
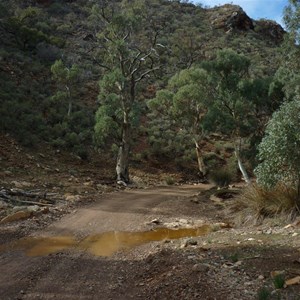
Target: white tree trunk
70	108
69	100
201	165
241	166
122	167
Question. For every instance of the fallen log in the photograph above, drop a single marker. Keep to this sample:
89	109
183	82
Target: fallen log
35	195
8	199
28	198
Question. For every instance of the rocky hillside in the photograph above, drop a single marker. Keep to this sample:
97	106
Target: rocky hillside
34	34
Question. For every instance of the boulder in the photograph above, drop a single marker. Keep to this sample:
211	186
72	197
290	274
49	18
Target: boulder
21	184
20	215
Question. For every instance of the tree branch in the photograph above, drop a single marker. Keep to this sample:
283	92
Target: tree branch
146	73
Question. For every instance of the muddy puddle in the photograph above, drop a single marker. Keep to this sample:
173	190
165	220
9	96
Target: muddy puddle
104	244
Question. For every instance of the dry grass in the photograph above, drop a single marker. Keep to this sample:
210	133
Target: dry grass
256	202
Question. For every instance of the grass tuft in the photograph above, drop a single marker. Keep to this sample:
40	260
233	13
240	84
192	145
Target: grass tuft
268	203
279	281
263	294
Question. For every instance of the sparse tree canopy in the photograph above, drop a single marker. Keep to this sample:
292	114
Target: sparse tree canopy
128	56
66	79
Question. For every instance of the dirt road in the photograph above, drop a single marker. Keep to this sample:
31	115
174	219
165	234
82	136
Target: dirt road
67	271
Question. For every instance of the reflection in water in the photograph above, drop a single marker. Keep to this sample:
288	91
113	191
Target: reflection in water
104	244
39	246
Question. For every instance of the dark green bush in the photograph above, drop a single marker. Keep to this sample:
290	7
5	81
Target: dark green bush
81	151
222	177
58	143
71	139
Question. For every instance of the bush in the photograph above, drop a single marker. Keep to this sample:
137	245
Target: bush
58	143
81	151
72	139
170	180
279	150
221	178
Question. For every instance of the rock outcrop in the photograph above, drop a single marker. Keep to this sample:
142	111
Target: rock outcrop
230	17
270	29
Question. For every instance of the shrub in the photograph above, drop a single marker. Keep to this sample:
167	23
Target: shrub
222	177
229	147
81	151
58	143
169	180
72	139
218	147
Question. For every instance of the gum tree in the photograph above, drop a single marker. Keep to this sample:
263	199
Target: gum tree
279	150
219	97
128	56
185	101
231	111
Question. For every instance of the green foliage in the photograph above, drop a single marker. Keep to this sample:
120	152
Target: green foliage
212	160
165	142
195	103
106	126
33	107
64	74
234	257
231	112
288	73
170	180
263	294
279	281
278	154
292	18
66	80
24	25
222	177
126	58
181	110
279	150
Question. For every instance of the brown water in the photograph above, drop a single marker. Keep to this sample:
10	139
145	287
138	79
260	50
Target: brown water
103	244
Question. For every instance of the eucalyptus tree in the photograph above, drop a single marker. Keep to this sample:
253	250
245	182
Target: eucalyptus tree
243	103
221	97
128	56
288	73
232	111
279	150
185	100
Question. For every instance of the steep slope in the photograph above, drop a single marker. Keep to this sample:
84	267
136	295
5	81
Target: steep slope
36	33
